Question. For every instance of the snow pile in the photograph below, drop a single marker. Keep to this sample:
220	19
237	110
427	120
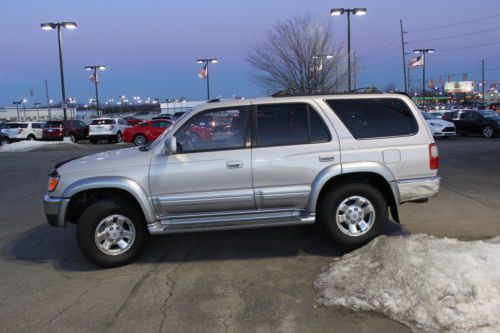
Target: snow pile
24	146
427	283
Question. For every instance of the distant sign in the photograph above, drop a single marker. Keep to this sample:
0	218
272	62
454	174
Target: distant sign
459	87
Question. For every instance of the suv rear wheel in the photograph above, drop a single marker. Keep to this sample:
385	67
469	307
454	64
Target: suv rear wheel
488	132
353	214
31	137
73	138
111	233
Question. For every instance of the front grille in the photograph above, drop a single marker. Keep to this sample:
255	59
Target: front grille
448	129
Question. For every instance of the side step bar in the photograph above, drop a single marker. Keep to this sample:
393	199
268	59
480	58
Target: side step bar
228	221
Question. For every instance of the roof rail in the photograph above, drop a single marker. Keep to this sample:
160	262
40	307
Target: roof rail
214	100
291	93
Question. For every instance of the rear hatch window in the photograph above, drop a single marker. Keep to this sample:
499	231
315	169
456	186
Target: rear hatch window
375	117
102	122
52	124
17	125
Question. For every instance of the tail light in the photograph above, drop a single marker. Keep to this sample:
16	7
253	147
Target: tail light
433	156
19	130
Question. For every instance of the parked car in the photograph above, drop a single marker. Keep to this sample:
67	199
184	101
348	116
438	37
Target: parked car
439	128
146	132
342	161
486	123
494	107
110	129
132	121
163	116
58	129
177	115
30	130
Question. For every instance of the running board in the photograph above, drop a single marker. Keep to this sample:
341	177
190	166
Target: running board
229	220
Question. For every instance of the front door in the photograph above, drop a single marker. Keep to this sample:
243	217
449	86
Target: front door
211	171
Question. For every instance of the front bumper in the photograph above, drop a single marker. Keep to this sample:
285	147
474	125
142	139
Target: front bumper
55	210
418	188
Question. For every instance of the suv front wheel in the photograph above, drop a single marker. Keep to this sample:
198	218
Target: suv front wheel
111	233
353	214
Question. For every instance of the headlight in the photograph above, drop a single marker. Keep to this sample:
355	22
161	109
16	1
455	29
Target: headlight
53	181
434	124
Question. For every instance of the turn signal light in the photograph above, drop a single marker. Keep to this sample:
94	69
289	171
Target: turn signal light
433	156
53	181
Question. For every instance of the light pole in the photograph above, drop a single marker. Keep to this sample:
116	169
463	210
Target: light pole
357	12
94	78
319	67
16	103
37	105
52	26
206	61
423	52
24	101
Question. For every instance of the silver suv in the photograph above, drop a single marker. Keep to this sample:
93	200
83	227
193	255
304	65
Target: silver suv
343	161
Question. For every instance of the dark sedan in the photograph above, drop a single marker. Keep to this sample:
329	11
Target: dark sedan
486	123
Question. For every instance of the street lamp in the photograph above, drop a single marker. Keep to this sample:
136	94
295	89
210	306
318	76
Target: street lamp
16	103
37	105
206	61
24	101
357	12
423	52
95	80
52	26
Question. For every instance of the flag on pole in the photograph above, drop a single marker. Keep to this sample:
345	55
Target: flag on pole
94	78
419	61
202	74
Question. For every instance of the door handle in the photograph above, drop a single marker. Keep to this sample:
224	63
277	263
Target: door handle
326	157
234	164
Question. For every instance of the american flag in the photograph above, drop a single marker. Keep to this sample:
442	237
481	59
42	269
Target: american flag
93	78
419	61
202	74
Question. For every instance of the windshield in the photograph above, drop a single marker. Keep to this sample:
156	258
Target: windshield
54	124
489	114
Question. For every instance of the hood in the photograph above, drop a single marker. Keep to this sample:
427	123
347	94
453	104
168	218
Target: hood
440	122
113	159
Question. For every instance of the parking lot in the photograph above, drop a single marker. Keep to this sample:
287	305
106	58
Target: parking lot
232	281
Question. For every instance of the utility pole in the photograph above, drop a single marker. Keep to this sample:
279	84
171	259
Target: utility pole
482	78
48	99
408	82
404	56
354	67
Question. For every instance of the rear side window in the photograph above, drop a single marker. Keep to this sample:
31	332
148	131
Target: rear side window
36	125
375	118
289	124
17	125
102	122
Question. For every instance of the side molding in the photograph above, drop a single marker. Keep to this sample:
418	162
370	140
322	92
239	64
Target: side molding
121	183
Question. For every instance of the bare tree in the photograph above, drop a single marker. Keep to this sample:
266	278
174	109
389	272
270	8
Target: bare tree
292	56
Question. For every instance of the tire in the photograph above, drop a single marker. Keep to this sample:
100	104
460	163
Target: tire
107	217
31	137
93	141
331	214
119	137
73	138
4	141
140	140
488	132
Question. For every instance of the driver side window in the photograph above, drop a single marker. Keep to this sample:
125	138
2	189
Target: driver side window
213	130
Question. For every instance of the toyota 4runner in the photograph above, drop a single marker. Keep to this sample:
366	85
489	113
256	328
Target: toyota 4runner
343	161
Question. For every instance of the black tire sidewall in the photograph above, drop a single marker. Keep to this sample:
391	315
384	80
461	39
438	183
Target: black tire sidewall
328	206
140	135
97	212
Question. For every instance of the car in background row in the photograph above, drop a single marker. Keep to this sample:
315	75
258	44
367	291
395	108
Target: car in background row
439	128
58	129
146	132
494	107
110	129
486	123
29	130
132	121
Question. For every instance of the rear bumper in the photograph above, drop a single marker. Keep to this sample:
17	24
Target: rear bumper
443	134
102	136
55	210
418	188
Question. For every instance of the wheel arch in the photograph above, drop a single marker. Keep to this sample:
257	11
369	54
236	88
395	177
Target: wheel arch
373	173
86	191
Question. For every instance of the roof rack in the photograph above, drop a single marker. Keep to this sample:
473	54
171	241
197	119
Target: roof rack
214	100
291	93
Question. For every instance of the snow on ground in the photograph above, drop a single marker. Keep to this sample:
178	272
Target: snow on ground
24	146
427	283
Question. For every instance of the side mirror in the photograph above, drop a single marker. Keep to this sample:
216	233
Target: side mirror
171	146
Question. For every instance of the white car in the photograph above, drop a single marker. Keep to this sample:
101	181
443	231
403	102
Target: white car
17	131
110	129
439	127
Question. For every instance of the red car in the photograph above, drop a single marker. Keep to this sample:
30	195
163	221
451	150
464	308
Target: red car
58	129
146	131
133	121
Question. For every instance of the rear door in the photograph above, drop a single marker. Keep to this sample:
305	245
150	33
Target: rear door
37	129
291	145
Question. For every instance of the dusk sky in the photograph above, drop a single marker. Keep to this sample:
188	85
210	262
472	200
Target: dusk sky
150	47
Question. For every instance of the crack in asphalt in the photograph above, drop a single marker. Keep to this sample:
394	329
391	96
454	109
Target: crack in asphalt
226	319
171	283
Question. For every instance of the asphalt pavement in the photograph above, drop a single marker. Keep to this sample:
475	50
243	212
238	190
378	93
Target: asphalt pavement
257	280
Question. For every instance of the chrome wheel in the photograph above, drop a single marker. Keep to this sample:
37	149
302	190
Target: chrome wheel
355	216
72	138
119	137
115	235
488	132
140	140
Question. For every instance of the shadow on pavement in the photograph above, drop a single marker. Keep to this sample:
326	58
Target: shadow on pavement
46	244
